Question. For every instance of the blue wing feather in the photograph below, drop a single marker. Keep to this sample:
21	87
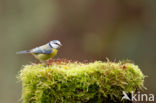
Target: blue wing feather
41	51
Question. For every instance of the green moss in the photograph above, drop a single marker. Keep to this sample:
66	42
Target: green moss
97	82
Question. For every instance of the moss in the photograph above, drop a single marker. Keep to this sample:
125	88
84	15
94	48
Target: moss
73	82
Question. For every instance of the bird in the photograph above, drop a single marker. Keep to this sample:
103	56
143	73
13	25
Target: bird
44	52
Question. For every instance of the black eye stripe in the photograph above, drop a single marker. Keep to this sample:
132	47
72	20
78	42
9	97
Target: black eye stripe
57	43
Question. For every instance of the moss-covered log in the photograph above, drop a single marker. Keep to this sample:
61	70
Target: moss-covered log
73	82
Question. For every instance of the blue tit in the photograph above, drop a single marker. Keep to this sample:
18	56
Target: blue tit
44	52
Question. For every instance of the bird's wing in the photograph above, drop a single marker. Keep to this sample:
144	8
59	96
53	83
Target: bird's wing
39	50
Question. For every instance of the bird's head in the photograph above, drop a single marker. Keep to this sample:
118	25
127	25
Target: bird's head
56	44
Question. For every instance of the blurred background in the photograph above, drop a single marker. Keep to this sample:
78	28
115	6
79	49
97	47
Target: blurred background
88	29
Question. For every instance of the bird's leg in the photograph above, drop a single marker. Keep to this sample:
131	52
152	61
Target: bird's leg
44	62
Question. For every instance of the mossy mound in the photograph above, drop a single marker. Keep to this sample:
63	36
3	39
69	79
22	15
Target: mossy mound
73	82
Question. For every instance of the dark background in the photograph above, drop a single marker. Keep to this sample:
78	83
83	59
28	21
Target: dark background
88	29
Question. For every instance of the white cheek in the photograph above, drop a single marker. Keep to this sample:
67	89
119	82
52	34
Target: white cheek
55	46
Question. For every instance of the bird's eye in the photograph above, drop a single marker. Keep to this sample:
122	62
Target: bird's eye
57	44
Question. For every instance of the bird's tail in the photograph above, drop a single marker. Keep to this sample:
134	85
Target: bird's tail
23	52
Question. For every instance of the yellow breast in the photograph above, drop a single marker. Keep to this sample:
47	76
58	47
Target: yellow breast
43	57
